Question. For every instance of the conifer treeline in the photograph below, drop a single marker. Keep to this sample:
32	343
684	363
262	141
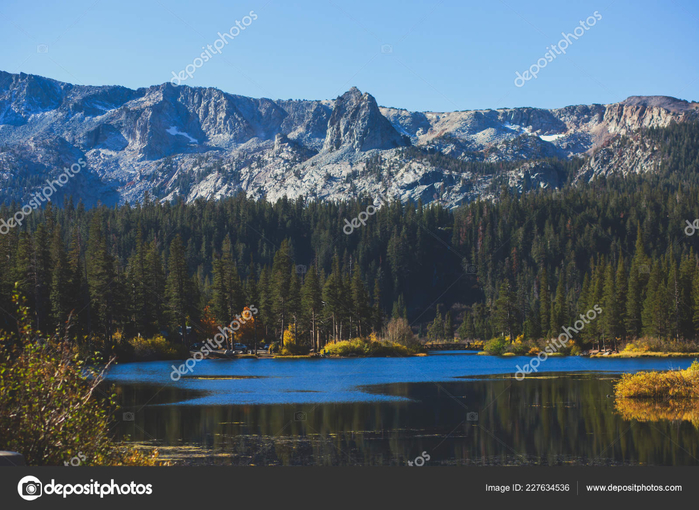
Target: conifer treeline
167	267
527	264
546	259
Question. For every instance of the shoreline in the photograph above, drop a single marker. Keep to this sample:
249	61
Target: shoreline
631	355
438	352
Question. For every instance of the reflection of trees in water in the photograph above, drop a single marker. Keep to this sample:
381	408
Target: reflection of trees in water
653	410
546	420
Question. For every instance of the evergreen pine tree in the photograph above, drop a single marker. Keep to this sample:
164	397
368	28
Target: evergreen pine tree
360	303
638	276
435	331
506	314
155	287
101	276
621	279
41	277
279	287
448	327
312	303
60	281
137	281
544	303
294	302
332	296
687	271
266	302
609	321
178	288
559	308
377	311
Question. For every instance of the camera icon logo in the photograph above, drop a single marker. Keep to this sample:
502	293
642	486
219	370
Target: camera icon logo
128	416
300	416
473	416
471	269
386	48
301	269
644	269
30	488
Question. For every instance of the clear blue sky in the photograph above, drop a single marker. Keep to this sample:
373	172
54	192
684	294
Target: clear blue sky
450	55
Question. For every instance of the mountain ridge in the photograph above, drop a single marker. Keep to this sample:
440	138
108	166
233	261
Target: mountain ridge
197	142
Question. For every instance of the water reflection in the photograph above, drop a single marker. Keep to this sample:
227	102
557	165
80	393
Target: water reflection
654	411
553	419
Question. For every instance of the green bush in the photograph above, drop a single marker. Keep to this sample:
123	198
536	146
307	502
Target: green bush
362	347
356	347
157	348
496	346
293	349
519	348
51	407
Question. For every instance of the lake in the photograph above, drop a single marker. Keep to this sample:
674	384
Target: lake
447	408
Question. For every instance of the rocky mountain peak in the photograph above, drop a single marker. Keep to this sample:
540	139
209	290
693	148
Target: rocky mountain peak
666	102
357	123
200	142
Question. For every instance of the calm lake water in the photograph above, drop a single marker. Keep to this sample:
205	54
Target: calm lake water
458	408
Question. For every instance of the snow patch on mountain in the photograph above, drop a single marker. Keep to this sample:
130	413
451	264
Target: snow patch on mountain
204	143
174	131
551	138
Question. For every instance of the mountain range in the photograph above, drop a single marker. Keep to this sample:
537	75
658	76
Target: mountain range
190	142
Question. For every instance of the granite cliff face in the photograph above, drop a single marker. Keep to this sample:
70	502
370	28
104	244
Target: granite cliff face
357	123
204	143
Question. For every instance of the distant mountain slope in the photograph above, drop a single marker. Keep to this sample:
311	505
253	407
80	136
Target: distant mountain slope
202	142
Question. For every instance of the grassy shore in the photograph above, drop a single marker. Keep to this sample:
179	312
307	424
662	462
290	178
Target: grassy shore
627	354
532	355
622	354
669	385
365	348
